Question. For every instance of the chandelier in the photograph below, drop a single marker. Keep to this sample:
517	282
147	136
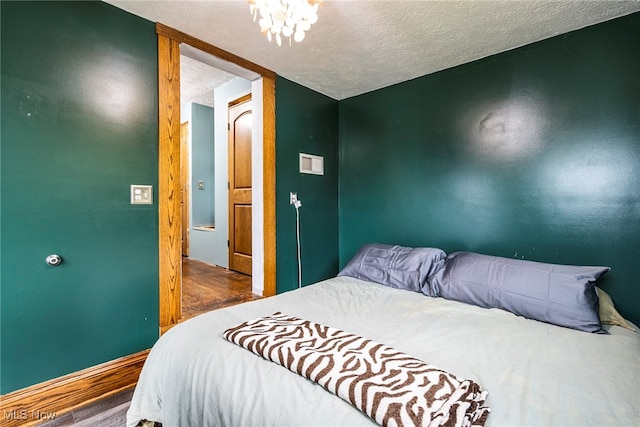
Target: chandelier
286	18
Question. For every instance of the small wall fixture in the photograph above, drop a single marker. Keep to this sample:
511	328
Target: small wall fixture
53	260
311	164
285	17
141	194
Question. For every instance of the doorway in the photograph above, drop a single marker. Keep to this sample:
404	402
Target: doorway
216	174
170	250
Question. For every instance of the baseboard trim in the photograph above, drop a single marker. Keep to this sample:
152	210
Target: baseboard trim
40	402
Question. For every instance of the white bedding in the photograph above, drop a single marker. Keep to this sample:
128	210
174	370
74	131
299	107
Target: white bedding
536	374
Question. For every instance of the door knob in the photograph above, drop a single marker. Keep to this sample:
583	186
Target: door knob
53	260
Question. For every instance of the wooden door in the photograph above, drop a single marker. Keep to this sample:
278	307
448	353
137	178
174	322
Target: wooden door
184	186
240	124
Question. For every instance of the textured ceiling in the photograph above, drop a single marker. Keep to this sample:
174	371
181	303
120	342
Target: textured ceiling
358	46
198	81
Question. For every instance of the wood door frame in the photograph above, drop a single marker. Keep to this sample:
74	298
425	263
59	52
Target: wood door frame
185	187
169	215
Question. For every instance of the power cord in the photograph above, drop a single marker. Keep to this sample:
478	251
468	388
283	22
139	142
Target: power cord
293	200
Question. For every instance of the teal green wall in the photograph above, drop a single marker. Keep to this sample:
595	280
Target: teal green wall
533	154
306	122
78	126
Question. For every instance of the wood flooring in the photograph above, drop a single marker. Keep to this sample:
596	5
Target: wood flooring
107	412
208	287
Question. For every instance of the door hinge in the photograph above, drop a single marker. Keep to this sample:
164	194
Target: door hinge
228	126
228	243
228	185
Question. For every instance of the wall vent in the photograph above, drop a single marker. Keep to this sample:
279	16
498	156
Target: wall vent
311	164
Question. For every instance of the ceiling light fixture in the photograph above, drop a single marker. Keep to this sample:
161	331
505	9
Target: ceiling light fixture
285	17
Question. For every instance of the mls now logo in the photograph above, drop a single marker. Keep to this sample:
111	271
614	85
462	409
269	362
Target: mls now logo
41	415
16	414
23	415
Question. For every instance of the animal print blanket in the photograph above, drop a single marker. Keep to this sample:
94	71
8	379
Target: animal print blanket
391	387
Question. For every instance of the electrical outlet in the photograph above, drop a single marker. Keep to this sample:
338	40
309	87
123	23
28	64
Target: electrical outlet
293	200
141	194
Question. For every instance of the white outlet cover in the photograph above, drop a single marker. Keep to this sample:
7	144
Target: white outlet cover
141	194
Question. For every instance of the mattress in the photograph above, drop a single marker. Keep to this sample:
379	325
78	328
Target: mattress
535	373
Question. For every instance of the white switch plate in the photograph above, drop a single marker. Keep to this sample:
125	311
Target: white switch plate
141	194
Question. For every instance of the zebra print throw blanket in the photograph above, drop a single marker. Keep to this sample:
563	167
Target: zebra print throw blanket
391	387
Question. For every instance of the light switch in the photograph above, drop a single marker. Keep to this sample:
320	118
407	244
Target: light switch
200	185
141	194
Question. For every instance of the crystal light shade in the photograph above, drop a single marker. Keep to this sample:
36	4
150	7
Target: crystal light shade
286	18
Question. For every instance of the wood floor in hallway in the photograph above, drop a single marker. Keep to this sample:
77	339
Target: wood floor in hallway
208	287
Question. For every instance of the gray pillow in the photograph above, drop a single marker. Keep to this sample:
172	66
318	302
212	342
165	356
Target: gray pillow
395	266
564	295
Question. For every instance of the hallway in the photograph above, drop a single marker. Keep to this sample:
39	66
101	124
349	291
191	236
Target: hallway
208	287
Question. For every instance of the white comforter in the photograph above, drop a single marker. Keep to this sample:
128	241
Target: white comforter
536	374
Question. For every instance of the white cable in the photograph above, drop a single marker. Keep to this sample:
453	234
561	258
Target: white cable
297	205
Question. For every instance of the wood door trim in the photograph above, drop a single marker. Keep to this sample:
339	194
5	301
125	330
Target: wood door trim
185	187
169	214
240	100
181	37
169	168
269	183
62	395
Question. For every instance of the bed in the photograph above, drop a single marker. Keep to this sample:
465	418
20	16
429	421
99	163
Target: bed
535	373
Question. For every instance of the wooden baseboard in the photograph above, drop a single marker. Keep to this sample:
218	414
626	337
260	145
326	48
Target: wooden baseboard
38	403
